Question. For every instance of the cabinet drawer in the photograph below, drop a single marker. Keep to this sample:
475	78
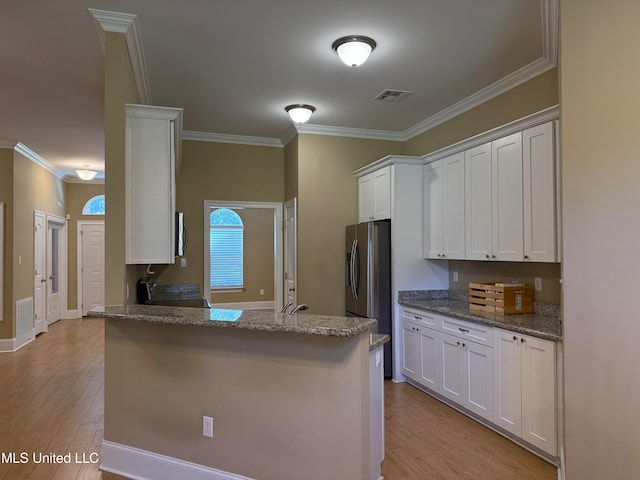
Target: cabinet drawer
471	331
420	317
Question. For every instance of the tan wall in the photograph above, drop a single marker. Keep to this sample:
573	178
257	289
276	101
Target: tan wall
34	189
537	94
600	107
6	196
291	169
226	172
76	195
161	379
327	203
120	88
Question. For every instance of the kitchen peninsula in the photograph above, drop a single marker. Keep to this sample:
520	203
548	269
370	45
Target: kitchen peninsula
291	396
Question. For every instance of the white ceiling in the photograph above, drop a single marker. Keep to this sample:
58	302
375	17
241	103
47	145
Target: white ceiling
234	65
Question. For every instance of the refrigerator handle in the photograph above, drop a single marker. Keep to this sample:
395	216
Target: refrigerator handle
356	269
352	270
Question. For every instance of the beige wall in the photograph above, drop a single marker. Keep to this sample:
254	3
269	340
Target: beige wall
161	379
291	169
120	88
327	203
34	189
76	195
6	196
600	108
225	172
537	94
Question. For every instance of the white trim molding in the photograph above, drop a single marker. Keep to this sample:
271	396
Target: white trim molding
128	24
9	345
226	138
140	464
22	149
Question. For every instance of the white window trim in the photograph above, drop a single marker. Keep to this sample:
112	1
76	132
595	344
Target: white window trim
278	245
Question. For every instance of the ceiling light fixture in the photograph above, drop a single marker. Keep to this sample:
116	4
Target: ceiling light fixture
354	50
85	173
300	113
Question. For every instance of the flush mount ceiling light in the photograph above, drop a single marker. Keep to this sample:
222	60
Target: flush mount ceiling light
85	173
354	50
300	113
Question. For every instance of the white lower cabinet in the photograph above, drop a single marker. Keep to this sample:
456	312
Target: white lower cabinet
502	376
467	374
420	354
525	388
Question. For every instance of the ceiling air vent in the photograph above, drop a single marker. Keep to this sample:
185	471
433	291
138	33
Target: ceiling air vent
392	95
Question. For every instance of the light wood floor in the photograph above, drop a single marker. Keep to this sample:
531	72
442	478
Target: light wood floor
51	401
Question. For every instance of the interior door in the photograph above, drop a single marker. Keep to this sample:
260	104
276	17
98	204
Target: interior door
40	277
92	266
290	252
53	283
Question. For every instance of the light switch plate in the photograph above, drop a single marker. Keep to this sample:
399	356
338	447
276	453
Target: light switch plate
538	283
183	262
455	276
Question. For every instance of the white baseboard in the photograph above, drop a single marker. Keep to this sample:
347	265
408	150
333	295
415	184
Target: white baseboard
143	465
267	305
13	344
73	314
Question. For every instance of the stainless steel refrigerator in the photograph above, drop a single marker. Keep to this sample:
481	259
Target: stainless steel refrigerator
368	277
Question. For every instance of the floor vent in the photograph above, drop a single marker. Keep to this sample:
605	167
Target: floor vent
392	95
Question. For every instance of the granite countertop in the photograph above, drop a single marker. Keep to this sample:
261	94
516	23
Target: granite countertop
544	323
306	324
377	340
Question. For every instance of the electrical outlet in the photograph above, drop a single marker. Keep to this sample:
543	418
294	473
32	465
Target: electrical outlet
262	291
207	426
455	276
538	284
183	262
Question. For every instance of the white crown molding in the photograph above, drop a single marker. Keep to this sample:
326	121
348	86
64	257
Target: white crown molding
127	24
543	116
350	132
288	135
38	160
389	160
225	138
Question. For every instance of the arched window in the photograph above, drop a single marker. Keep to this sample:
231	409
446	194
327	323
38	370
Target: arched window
94	206
226	262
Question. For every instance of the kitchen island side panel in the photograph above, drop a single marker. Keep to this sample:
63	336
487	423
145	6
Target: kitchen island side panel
284	406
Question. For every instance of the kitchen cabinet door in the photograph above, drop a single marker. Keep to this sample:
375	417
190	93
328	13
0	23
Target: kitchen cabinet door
539	421
374	195
453	221
539	194
507	213
150	159
478	184
478	377
507	382
451	368
410	350
429	358
525	389
433	210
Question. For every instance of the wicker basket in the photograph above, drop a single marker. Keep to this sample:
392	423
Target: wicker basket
501	298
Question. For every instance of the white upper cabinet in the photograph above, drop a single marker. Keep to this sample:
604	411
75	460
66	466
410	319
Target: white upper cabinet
539	189
444	208
506	199
478	181
374	195
150	162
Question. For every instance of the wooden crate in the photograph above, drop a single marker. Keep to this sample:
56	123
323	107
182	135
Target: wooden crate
501	298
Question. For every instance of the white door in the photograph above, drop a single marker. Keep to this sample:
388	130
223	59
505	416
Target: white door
507	382
91	266
478	378
453	207
290	252
53	283
433	184
452	368
382	193
40	274
429	358
365	198
410	350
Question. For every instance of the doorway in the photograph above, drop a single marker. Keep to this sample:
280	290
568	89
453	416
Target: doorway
40	276
56	268
290	252
90	265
